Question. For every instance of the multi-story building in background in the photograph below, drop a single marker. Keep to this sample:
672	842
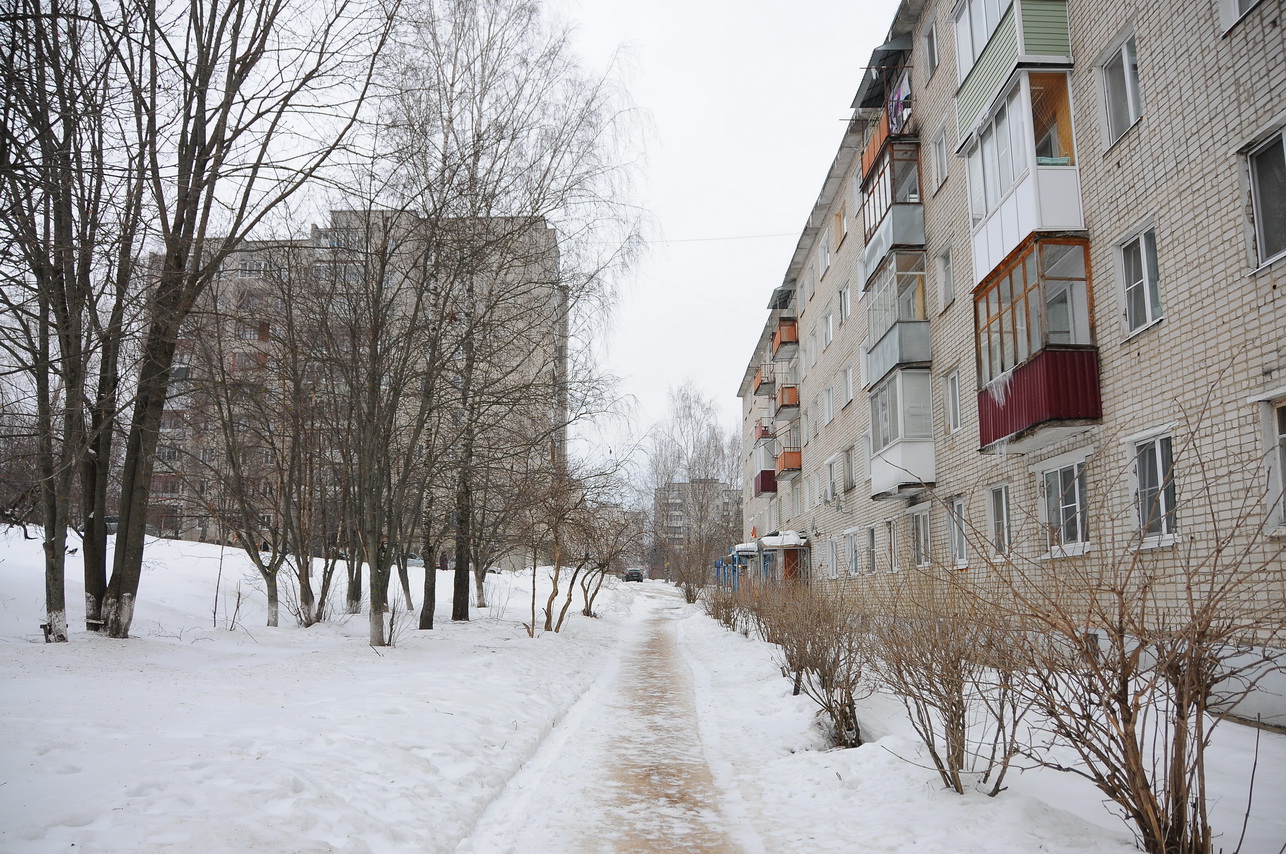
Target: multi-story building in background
264	407
692	522
1039	307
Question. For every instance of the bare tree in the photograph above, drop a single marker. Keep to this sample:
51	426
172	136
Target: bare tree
71	190
696	510
234	106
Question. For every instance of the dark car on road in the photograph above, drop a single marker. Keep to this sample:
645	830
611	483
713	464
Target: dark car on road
633	575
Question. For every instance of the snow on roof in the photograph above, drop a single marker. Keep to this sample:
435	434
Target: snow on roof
784	539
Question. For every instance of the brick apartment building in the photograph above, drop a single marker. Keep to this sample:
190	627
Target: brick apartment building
1039	307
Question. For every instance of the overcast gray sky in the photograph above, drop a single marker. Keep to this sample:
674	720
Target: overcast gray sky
746	102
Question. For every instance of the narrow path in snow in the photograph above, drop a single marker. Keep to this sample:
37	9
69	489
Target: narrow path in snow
625	771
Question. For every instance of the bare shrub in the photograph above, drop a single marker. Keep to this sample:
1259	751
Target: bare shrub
823	647
943	655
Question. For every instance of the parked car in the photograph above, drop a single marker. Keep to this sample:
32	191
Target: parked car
633	575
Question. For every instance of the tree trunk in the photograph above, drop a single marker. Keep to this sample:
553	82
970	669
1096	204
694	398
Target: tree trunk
353	603
463	513
405	580
479	585
307	601
430	600
140	452
270	584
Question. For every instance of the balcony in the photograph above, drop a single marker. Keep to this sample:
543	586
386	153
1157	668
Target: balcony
892	214
1037	358
765	381
787	401
905	344
897	318
789	463
903	461
764	429
903	225
785	339
1044	400
905	467
765	481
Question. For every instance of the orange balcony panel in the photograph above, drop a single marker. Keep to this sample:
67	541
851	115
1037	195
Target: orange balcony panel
763	430
790	460
787	398
764	381
785	339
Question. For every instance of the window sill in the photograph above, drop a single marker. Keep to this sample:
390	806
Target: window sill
1266	266
1069	550
1125	133
1162	541
1278	533
1130	336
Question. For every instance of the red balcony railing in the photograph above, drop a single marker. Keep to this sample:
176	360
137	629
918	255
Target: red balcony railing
1053	386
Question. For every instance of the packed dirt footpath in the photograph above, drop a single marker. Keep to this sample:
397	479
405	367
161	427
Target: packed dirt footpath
626	770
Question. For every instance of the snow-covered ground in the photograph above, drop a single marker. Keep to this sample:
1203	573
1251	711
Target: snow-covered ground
198	736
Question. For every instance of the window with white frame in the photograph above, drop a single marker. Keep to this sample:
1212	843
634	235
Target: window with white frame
998	511
828	329
976	20
938	156
998	158
931	49
812	349
1139	275
920	537
1154	470
828	404
850	462
848	384
1268	188
853	552
946	279
841	224
845	303
825	256
1232	11
870	549
1121	89
817	416
953	401
891	532
957	541
834	477
832	554
1066	506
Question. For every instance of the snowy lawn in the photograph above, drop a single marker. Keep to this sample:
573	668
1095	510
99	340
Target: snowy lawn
194	737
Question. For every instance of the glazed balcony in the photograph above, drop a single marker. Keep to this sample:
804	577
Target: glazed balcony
904	467
789	463
903	459
787	401
765	481
785	339
1037	358
892	214
898	318
765	382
